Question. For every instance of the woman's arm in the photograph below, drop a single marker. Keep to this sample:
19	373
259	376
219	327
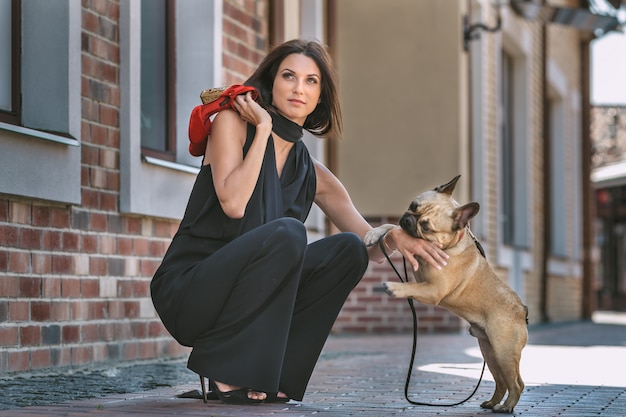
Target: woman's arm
234	176
332	197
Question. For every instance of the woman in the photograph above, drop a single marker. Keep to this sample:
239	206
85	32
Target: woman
239	282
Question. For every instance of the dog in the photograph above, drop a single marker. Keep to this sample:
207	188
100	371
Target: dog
466	286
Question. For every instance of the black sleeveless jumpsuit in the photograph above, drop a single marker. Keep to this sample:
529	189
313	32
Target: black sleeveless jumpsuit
251	296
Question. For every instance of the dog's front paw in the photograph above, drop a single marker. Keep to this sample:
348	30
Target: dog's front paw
371	238
392	288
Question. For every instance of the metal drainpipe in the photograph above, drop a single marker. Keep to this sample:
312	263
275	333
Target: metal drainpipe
588	206
547	231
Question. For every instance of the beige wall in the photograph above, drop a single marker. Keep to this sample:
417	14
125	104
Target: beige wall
402	73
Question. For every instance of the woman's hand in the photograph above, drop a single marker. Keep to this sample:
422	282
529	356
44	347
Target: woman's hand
253	113
410	247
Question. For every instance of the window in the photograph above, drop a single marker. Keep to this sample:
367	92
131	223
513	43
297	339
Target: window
558	183
156	170
507	185
157	79
40	88
10	40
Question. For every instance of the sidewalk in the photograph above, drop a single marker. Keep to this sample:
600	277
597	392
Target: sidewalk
573	369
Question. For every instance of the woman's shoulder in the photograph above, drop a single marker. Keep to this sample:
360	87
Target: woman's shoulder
230	118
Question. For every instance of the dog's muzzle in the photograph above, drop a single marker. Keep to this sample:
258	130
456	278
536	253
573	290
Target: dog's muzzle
408	222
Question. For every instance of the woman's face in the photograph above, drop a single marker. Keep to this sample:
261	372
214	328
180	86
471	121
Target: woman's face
297	87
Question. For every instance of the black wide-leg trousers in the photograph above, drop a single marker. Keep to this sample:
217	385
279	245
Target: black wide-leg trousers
259	310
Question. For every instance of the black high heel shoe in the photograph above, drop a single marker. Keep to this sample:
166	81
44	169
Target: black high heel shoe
236	396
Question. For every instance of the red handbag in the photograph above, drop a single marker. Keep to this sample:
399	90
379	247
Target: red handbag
214	100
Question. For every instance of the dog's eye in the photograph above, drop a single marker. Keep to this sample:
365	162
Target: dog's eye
424	226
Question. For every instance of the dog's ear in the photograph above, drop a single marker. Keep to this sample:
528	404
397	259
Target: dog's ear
464	214
449	187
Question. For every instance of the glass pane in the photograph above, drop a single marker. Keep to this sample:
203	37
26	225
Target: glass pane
5	55
507	168
153	75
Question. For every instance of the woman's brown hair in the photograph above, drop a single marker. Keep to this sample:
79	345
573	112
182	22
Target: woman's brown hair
325	120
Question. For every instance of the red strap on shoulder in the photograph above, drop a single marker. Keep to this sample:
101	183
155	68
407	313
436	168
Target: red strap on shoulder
215	100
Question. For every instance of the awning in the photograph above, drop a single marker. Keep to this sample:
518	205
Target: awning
584	19
613	175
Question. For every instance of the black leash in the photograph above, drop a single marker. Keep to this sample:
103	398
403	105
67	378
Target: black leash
410	301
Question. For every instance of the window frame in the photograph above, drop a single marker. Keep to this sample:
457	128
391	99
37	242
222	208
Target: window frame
169	154
13	116
43	151
152	185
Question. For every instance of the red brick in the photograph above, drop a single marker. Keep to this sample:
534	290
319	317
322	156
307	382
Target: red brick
62	357
84	176
133	225
61	264
130	351
80	310
131	309
98	310
51	240
90	154
98	222
9	236
61	218
8	336
123	331
98	266
107	245
89	333
124	288
19	212
156	248
108	201
140	330
4	210
89	243
18	361
107	331
10	286
40	311
116	309
141	288
149	267
71	241
70	288
140	247
19	262
124	246
81	355
51	287
162	228
147	350
19	311
42	216
4	261
90	199
40	358
42	263
30	336
90	288
156	329
61	311
30	287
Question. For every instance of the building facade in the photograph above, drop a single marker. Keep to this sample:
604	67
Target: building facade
95	172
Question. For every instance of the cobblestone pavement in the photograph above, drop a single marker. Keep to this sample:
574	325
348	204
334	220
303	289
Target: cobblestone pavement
572	369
